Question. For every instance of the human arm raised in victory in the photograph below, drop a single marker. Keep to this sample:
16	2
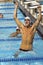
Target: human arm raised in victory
15	16
35	25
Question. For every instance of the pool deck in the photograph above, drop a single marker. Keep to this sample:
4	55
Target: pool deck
27	13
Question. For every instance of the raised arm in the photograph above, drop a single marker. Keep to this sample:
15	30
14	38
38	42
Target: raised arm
15	16
35	25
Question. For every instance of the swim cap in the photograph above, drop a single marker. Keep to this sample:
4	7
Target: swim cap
27	17
17	28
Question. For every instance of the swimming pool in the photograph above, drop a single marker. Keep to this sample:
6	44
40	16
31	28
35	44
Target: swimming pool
8	45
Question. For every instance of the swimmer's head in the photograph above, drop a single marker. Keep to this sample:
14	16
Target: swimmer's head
27	21
1	15
17	29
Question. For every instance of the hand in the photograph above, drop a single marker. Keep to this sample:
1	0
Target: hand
39	8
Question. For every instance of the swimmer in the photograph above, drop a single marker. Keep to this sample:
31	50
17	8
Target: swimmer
27	31
15	34
1	15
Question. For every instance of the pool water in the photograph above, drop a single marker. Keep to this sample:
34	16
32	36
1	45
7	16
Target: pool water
41	2
8	45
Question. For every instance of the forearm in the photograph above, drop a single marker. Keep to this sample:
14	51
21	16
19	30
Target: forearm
39	16
14	34
38	19
15	13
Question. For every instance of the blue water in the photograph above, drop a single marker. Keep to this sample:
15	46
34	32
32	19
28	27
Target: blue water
41	2
8	45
